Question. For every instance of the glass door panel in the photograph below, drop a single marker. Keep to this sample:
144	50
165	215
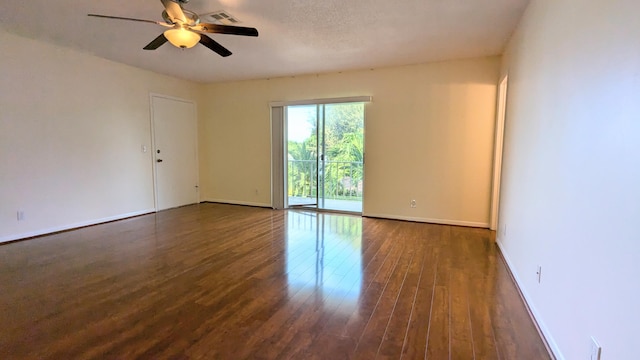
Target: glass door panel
341	164
302	155
325	154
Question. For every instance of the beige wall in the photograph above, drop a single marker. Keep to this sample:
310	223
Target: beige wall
72	127
570	193
428	136
71	130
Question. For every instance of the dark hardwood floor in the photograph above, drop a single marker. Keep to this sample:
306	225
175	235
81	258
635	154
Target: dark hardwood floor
214	281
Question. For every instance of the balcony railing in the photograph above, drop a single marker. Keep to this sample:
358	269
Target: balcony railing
342	180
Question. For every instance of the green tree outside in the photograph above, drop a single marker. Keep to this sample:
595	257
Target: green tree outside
343	151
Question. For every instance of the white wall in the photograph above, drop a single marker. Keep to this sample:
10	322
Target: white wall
571	180
71	130
428	136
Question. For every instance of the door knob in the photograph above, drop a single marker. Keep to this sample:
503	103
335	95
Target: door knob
159	160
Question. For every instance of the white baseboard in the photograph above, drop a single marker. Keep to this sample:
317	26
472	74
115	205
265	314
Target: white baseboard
236	202
383	216
40	232
542	327
429	220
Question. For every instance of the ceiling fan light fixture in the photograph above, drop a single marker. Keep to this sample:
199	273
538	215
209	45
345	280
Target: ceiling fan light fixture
182	38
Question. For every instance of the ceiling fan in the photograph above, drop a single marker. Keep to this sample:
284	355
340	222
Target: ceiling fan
185	29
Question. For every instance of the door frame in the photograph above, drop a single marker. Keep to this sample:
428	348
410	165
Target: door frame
279	150
285	147
501	116
153	145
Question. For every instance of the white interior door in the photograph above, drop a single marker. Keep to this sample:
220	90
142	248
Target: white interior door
175	152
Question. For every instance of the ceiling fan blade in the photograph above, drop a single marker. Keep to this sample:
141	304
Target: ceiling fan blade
156	43
126	18
225	29
174	10
214	46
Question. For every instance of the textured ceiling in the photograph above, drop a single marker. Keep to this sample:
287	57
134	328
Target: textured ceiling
296	36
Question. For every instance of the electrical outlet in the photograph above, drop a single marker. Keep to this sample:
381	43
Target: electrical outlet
596	350
413	203
539	273
20	215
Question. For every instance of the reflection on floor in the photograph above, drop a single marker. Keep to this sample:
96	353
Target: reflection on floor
324	258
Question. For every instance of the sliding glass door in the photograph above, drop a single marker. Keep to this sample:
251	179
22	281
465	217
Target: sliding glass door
302	155
325	156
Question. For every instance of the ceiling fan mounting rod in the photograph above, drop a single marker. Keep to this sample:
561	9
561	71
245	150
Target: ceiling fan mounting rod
192	18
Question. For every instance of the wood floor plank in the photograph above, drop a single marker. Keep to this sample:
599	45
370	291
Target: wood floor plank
416	334
373	332
460	334
370	296
479	271
214	281
438	335
396	329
